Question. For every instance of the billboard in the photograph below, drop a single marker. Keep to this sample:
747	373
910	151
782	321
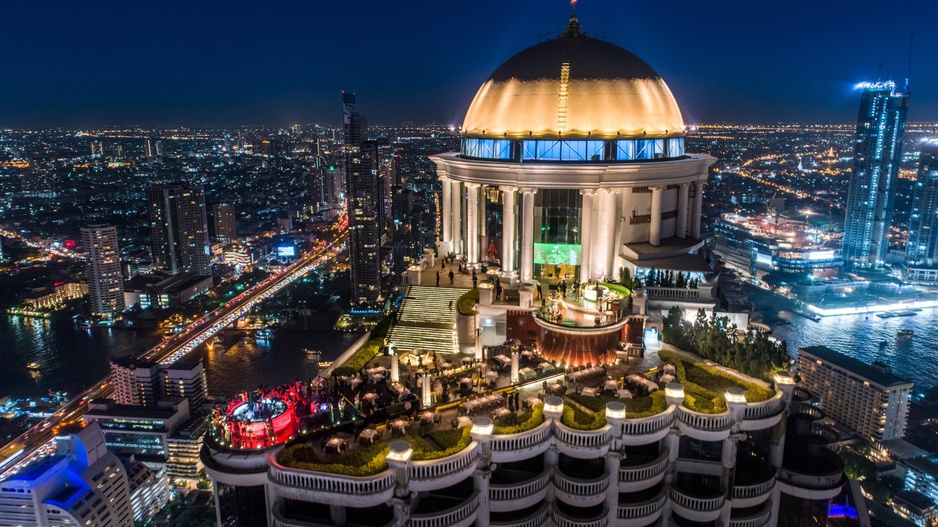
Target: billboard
287	251
557	253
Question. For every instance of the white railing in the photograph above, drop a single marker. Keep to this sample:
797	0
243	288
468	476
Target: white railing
332	483
758	520
517	491
562	520
447	517
521	440
648	425
696	504
583	438
581	487
437	468
538	519
709	422
753	491
641	510
645	471
764	408
672	293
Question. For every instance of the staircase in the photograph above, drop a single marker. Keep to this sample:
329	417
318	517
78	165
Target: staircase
425	320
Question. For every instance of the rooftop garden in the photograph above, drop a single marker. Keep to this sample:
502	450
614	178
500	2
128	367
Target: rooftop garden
515	424
370	460
467	303
705	386
369	351
716	339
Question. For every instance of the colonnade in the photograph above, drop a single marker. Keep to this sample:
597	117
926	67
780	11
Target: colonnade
600	217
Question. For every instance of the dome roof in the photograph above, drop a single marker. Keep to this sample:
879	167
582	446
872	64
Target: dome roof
574	86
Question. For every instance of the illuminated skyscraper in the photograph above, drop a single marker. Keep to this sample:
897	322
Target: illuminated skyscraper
149	147
876	158
364	205
179	228
103	272
922	246
226	227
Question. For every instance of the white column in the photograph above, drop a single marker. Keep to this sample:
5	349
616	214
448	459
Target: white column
611	209
600	251
586	232
456	206
612	461
527	237
654	232
698	210
480	221
515	366
447	225
508	229
680	228
426	395
472	224
395	368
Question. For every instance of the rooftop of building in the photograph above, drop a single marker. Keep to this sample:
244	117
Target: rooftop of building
108	408
923	464
881	376
36	469
916	499
130	362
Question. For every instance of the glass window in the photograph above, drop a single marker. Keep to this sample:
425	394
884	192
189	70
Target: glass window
625	150
548	150
659	148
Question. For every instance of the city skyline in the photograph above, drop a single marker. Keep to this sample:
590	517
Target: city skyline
191	65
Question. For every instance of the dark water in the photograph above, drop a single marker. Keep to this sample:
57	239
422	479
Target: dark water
73	358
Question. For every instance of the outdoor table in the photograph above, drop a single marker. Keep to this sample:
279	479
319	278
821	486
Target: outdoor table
554	386
491	376
625	394
638	379
532	401
368	435
502	359
669	368
369	397
376	370
527	354
464	421
336	445
376	377
446	365
666	378
400	424
545	367
426	418
466	380
585	374
467	360
355	382
588	392
611	385
501	411
526	373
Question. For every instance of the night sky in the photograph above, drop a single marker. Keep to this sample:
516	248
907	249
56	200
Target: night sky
213	62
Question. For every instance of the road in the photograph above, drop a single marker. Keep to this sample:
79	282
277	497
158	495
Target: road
38	440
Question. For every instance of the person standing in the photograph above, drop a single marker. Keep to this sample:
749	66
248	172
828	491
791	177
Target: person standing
451	276
438	279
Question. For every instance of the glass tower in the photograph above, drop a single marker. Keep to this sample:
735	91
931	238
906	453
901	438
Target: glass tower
922	246
876	158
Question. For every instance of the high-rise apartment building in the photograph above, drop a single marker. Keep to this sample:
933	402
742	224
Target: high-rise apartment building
159	149
185	379
866	398
82	484
922	246
179	228
149	147
226	225
135	382
364	205
876	158
103	270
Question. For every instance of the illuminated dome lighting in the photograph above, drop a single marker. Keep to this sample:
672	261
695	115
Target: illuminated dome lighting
574	87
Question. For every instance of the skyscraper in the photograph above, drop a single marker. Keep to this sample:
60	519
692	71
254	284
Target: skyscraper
876	158
364	207
103	271
922	246
149	147
179	228
226	226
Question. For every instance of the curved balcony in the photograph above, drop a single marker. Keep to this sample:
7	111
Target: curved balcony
329	488
705	427
765	414
443	472
582	444
696	508
509	497
523	445
462	515
281	521
581	492
562	519
759	519
752	495
536	519
640	477
647	429
642	513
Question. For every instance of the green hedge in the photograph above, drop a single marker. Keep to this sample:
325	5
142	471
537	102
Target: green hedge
580	418
647	406
467	303
453	441
618	289
596	404
705	386
529	420
361	358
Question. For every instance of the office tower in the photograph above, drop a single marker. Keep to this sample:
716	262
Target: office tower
922	247
149	147
866	398
103	270
226	225
135	382
364	206
179	228
185	379
876	158
97	149
83	484
159	149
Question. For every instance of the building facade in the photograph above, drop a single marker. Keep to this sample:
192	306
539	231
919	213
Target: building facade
103	271
922	246
867	399
226	225
876	158
179	239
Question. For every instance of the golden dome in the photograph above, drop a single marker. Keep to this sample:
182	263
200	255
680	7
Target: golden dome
574	86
